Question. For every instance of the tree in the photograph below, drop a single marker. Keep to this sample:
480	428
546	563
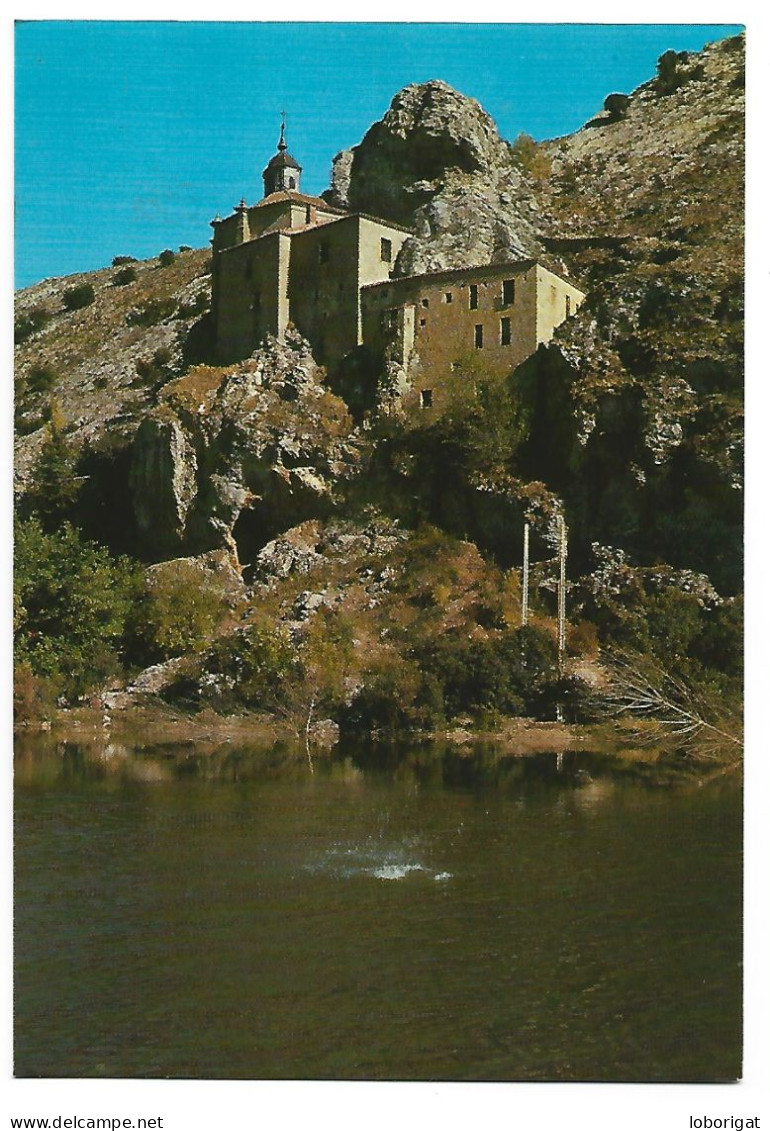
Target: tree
72	601
55	485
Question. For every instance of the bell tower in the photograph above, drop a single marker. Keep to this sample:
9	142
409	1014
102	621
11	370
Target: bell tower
282	172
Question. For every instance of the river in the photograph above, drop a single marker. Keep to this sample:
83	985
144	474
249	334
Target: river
397	914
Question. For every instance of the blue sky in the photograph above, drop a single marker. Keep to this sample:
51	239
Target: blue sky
130	137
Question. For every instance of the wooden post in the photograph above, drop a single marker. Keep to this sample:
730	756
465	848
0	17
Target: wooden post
525	578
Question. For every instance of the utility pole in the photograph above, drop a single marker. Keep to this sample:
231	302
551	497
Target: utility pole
525	578
562	593
562	608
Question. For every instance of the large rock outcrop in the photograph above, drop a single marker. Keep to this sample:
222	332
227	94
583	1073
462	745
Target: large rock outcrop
437	162
231	457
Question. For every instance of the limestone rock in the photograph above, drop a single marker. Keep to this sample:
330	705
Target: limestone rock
230	457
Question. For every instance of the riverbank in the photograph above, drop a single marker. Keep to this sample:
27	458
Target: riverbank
151	726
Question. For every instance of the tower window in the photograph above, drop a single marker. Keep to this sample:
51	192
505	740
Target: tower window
473	297
423	321
478	336
448	296
386	250
426	398
292	183
509	292
424	301
505	331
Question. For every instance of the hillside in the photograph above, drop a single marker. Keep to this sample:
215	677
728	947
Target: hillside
393	538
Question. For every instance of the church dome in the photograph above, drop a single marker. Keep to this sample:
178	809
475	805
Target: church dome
282	171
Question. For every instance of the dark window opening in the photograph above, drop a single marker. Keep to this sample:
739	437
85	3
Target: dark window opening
473	296
426	398
505	331
478	336
509	291
323	252
567	306
386	250
308	214
423	321
424	301
448	296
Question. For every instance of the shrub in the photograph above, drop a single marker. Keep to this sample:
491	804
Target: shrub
152	312
183	247
119	260
181	608
530	158
157	369
124	277
255	664
166	258
26	325
41	379
616	105
75	298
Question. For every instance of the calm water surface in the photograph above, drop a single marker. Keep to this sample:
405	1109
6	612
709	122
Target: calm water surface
394	915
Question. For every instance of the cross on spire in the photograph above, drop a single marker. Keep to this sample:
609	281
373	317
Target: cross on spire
281	142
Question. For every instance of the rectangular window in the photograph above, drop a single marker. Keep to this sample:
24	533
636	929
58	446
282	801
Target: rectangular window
424	301
448	296
423	321
393	319
478	336
505	331
386	250
323	252
426	398
509	292
473	296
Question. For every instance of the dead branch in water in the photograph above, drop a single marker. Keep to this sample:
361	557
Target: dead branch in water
637	689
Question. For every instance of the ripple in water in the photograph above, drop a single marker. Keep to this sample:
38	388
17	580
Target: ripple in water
372	860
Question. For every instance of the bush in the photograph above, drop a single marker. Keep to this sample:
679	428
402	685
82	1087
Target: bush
156	370
166	258
35	319
41	379
505	674
75	298
183	247
152	312
124	277
119	260
71	605
180	611
616	105
253	666
530	158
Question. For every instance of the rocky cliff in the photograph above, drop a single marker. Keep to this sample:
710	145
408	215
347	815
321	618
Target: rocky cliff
629	422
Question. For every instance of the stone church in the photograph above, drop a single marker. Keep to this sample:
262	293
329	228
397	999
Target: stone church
294	258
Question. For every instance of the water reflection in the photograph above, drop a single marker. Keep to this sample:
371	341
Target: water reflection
413	912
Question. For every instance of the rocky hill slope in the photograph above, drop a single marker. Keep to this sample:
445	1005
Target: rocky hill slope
629	422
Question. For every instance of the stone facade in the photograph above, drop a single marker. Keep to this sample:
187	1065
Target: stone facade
501	313
296	259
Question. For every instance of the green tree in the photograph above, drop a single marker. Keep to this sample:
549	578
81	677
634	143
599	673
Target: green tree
179	612
72	601
55	484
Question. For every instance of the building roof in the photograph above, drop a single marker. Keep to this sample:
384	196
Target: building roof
283	160
451	274
299	198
